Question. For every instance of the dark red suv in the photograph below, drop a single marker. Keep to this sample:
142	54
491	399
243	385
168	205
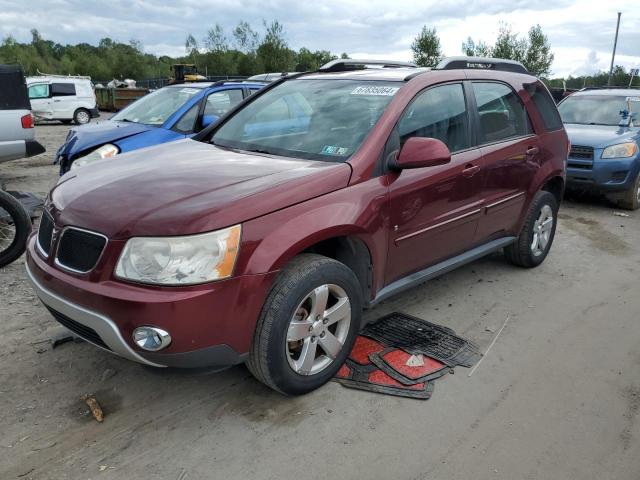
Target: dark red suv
323	194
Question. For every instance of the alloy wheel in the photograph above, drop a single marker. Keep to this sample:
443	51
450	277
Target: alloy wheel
83	117
318	329
542	231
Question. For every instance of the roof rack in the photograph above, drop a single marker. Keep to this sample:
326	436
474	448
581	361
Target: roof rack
52	75
347	64
499	64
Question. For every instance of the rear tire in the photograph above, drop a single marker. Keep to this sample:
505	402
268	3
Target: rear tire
536	237
81	116
631	198
15	231
294	349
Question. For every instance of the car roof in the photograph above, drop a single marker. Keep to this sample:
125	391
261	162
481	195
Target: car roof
613	92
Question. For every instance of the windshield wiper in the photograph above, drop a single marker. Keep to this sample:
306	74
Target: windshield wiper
258	150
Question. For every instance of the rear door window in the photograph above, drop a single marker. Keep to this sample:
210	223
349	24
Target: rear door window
219	103
546	106
63	89
439	112
502	114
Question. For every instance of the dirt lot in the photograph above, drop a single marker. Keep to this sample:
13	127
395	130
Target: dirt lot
557	397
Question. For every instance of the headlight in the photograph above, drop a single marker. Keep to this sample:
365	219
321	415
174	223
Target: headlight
104	151
180	260
622	150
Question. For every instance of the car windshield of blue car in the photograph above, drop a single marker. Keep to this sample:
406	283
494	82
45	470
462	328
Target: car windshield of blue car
309	118
156	107
592	109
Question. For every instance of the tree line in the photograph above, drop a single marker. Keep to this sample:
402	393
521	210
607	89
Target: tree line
245	51
533	51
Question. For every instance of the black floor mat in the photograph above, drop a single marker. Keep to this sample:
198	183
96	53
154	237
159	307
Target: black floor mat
417	336
29	201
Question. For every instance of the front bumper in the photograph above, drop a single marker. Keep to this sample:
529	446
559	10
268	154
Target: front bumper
211	325
611	175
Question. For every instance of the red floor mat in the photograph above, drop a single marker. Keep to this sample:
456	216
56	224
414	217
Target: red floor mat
393	361
372	379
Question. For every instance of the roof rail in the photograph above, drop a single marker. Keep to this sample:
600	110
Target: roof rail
347	64
499	64
633	87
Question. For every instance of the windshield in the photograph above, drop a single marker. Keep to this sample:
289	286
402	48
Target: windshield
313	119
156	107
592	109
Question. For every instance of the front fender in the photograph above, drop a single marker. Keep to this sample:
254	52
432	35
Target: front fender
359	211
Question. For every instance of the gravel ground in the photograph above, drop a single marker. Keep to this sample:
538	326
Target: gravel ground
557	397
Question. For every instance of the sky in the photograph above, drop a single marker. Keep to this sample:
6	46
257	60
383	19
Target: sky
581	32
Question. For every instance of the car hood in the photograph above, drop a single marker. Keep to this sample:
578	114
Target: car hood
92	135
600	136
186	187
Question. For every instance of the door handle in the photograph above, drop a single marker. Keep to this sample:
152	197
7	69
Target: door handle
531	151
470	170
56	100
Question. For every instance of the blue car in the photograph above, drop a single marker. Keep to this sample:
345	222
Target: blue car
604	130
171	113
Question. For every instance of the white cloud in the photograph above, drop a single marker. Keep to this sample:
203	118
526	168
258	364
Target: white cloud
374	28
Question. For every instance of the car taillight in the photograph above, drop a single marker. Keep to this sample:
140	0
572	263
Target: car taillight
27	121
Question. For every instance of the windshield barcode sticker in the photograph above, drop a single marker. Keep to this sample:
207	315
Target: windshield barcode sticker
376	90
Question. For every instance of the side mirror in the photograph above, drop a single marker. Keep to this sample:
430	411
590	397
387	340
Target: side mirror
208	120
419	152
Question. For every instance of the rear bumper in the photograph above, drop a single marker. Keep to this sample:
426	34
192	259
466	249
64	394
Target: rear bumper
603	175
15	149
94	112
211	325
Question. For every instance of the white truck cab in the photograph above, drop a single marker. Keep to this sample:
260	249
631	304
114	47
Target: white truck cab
64	98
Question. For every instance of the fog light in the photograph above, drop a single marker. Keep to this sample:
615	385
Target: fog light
151	338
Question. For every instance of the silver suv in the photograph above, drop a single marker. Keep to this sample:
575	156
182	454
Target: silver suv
17	135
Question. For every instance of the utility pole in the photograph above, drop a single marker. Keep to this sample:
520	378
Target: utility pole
615	44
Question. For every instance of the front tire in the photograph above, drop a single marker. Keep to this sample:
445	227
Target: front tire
81	116
536	237
631	198
308	325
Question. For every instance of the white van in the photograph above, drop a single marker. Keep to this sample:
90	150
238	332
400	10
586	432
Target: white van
56	97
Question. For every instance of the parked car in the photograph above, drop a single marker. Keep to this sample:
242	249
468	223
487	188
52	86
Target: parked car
170	113
68	99
17	135
261	241
604	130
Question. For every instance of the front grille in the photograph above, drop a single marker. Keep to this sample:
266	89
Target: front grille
577	151
79	329
580	166
80	250
45	233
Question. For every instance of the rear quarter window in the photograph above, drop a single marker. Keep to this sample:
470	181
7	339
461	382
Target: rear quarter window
63	89
545	105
